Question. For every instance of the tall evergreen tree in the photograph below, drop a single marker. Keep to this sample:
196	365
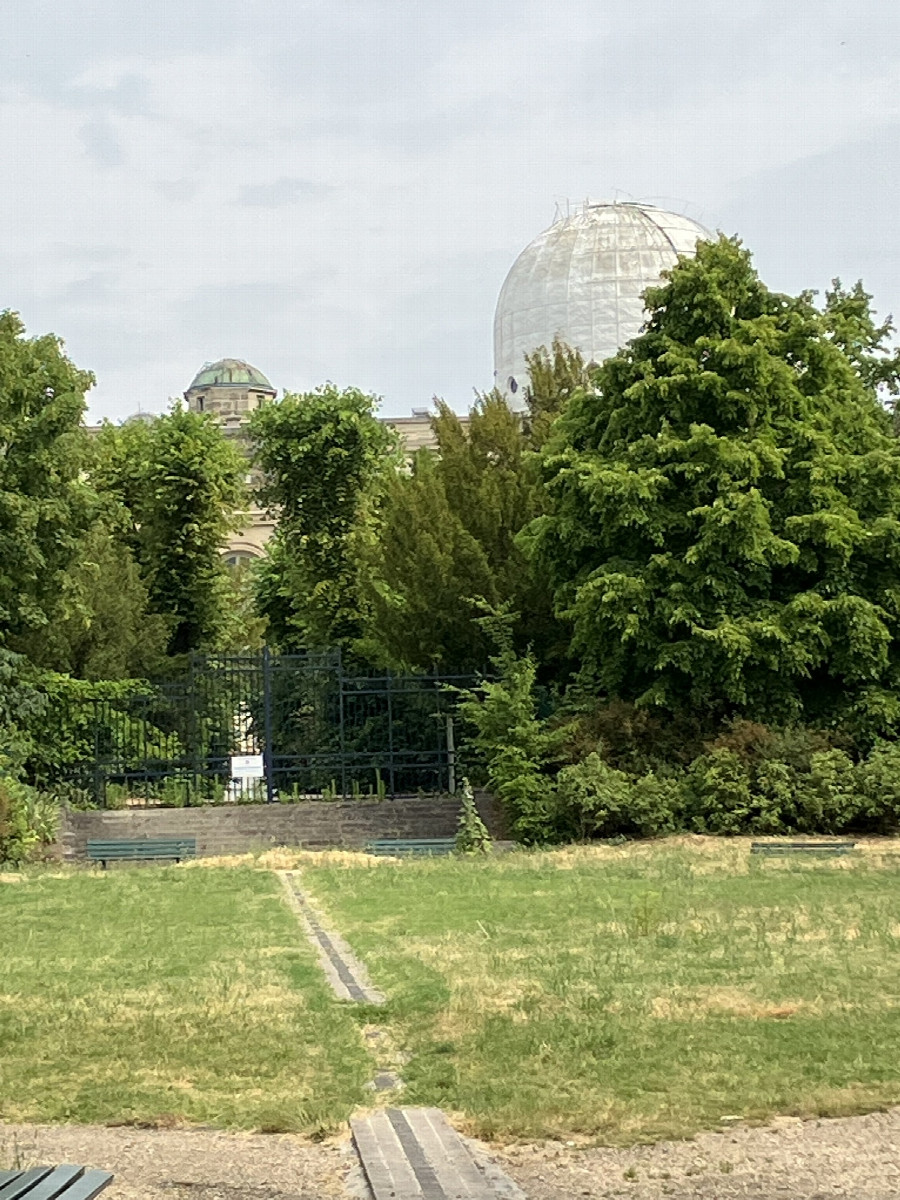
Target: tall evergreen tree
725	524
447	546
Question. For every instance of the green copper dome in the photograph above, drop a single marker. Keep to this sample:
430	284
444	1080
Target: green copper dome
230	372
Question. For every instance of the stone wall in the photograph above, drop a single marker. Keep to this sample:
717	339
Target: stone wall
235	829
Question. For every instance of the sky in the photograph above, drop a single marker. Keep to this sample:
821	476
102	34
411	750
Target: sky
336	190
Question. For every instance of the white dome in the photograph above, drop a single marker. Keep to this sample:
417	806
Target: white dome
582	280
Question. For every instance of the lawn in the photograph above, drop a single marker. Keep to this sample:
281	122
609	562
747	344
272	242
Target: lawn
632	993
615	994
163	995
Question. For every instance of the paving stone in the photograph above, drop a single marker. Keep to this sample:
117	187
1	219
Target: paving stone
414	1154
348	977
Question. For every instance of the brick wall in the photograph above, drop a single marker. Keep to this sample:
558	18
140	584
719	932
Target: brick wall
234	829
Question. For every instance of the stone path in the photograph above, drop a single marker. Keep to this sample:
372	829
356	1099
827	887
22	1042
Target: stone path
413	1154
348	977
405	1153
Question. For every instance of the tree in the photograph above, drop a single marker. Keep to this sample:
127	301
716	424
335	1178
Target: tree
426	571
44	503
725	524
554	376
104	628
179	482
447	544
325	458
848	319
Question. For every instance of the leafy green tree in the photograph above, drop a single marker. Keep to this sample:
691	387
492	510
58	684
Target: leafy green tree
179	482
725	523
554	376
447	543
104	628
427	568
849	322
44	504
325	458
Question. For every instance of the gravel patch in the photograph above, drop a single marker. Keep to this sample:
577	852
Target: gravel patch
789	1159
855	1157
173	1164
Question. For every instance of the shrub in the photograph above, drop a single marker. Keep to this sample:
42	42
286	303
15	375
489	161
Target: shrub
472	836
16	839
717	794
594	800
28	819
878	780
826	798
519	749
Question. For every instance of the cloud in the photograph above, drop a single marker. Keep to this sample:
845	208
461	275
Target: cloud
337	189
280	192
101	144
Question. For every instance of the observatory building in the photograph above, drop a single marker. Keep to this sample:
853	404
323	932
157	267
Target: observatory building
582	280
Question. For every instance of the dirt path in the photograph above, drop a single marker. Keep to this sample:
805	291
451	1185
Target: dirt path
164	1164
856	1157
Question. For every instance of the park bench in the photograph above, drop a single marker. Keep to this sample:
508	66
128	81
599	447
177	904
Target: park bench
417	846
53	1183
142	849
804	848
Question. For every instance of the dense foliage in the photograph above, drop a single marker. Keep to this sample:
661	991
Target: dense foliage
447	546
325	457
44	504
724	530
178	483
690	558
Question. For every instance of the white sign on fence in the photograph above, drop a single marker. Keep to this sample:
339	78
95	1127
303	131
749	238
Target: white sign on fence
247	766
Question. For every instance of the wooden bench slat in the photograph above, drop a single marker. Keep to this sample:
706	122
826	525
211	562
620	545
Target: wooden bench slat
90	1184
23	1182
56	1183
65	1182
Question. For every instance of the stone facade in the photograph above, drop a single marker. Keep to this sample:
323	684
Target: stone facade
313	825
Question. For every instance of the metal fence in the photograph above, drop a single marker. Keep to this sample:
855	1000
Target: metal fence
263	727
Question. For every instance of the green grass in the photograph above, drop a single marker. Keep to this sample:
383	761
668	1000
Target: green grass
162	995
635	993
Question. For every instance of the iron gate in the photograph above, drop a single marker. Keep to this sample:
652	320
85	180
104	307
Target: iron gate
320	733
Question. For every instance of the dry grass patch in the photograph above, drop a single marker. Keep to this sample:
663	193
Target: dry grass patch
632	992
169	994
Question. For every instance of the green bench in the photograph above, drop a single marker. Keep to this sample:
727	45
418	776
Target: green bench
140	849
53	1183
385	847
804	848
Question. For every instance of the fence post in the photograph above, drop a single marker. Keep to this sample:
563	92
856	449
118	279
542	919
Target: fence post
341	715
267	722
451	756
390	710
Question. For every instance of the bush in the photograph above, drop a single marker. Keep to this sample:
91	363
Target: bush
878	780
472	836
28	819
16	839
751	779
594	800
519	749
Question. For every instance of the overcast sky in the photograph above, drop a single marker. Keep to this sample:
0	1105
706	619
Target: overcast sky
335	189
